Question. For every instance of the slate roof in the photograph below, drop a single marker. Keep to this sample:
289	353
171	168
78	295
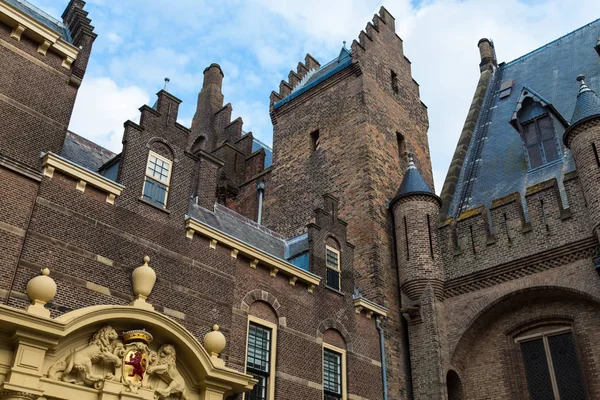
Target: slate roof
495	164
84	152
233	224
42	17
413	182
588	104
313	78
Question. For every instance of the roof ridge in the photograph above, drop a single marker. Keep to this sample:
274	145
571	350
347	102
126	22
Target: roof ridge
537	50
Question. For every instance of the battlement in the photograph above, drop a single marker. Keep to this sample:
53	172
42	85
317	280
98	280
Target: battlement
514	227
310	71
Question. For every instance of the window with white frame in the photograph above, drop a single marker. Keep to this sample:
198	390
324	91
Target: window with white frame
333	268
260	358
551	366
157	179
334	373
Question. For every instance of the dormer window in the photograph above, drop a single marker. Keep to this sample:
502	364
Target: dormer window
157	179
534	119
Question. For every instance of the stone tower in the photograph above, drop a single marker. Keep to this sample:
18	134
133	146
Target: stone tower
343	128
421	275
583	139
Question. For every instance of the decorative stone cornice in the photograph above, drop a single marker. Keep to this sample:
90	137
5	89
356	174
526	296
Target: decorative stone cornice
256	256
371	308
48	38
52	162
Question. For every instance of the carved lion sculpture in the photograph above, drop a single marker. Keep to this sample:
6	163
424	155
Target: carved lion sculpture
164	367
77	366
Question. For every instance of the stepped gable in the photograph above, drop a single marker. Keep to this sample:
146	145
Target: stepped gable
495	164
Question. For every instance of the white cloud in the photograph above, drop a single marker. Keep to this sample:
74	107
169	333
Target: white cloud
101	109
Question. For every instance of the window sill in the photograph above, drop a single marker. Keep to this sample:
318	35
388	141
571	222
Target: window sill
338	292
151	204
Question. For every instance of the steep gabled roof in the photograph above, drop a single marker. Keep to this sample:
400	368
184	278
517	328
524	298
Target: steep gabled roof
495	164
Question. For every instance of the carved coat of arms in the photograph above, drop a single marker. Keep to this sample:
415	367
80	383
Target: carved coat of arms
136	356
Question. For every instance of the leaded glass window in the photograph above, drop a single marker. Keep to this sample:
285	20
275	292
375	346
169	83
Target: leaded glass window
332	374
333	268
158	176
537	130
258	360
551	367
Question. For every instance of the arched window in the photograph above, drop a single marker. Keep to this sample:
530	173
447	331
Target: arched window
454	385
537	131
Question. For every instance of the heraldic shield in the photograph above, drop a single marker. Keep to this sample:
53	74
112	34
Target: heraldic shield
136	357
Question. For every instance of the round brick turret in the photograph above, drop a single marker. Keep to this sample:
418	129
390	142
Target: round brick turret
213	75
583	139
416	211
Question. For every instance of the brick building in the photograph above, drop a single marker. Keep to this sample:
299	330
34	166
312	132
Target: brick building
329	264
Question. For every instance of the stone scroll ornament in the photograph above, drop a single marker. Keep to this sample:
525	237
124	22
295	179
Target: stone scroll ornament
77	367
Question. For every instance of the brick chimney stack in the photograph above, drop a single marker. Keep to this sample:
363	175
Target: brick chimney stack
488	55
210	101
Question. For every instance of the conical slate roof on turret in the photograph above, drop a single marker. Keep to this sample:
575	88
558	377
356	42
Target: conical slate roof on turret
413	183
588	103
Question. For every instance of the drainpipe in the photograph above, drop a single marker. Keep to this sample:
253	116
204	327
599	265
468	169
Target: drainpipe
260	188
383	367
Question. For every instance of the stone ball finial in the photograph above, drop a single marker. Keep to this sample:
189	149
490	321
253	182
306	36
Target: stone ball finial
40	291
143	278
214	342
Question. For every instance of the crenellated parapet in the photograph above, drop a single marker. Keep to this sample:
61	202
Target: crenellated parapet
518	235
309	66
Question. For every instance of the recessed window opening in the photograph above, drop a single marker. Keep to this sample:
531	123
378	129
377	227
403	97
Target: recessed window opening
472	239
314	140
157	179
551	366
406	238
430	239
506	227
401	148
544	218
596	154
395	85
333	268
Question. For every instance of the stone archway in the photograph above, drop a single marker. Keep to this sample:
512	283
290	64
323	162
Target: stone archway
81	354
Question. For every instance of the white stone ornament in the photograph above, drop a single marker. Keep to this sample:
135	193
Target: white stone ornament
40	291
143	278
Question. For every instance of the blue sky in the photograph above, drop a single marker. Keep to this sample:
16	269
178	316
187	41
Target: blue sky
140	42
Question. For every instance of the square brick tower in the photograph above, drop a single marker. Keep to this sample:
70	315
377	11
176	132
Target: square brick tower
344	128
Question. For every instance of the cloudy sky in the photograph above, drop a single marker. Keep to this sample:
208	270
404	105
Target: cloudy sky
257	42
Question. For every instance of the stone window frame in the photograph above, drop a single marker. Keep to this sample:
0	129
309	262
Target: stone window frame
272	353
338	270
344	383
149	176
543	333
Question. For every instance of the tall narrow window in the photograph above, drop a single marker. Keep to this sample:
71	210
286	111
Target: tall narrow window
596	154
333	268
551	367
394	78
430	238
260	359
401	149
334	373
158	177
314	140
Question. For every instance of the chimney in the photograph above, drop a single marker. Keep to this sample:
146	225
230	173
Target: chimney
210	100
488	55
